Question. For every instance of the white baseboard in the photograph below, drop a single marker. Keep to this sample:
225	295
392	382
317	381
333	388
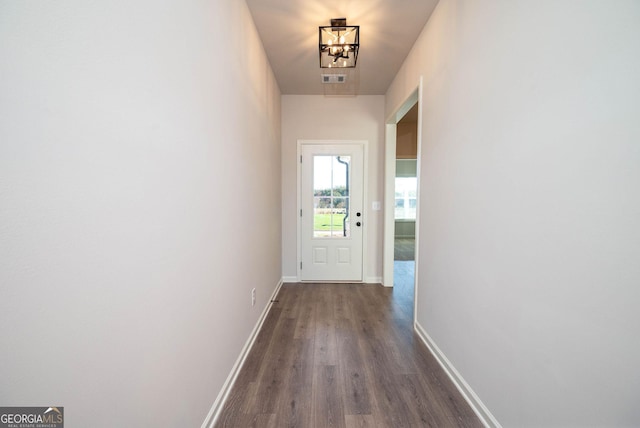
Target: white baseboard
213	414
368	280
472	398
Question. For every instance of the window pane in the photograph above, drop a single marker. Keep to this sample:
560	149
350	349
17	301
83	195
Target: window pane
406	190
331	196
340	226
322	175
340	172
341	203
321	222
322	203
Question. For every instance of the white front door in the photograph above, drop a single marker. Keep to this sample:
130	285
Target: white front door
332	216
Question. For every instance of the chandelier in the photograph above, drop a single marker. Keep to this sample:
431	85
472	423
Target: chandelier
339	44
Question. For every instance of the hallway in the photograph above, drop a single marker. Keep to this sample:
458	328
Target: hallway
150	211
343	355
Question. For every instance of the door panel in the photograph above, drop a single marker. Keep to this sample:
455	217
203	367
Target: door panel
332	217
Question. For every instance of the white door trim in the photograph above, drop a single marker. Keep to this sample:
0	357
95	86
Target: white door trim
365	202
389	190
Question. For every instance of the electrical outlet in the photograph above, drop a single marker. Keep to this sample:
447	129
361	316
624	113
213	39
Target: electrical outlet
253	297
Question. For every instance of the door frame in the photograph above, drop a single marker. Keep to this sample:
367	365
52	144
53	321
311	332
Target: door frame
365	199
389	188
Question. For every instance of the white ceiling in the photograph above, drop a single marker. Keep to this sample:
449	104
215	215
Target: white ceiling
289	32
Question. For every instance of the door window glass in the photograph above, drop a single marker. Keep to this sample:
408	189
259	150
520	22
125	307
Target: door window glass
331	196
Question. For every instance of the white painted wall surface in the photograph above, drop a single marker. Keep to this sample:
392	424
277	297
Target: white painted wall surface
316	117
530	197
139	205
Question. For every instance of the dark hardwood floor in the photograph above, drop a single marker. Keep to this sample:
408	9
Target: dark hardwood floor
343	355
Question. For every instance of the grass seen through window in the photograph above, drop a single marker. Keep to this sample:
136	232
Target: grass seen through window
323	222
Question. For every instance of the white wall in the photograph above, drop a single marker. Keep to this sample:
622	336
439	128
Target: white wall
530	228
310	117
140	203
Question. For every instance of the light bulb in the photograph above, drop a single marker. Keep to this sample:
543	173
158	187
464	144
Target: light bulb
341	39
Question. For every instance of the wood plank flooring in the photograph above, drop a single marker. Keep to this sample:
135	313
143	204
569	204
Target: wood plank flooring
343	355
404	248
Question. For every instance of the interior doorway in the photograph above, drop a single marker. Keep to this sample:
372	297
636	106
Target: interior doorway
401	201
405	199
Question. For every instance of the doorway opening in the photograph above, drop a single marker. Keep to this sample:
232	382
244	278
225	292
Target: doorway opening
405	200
401	200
